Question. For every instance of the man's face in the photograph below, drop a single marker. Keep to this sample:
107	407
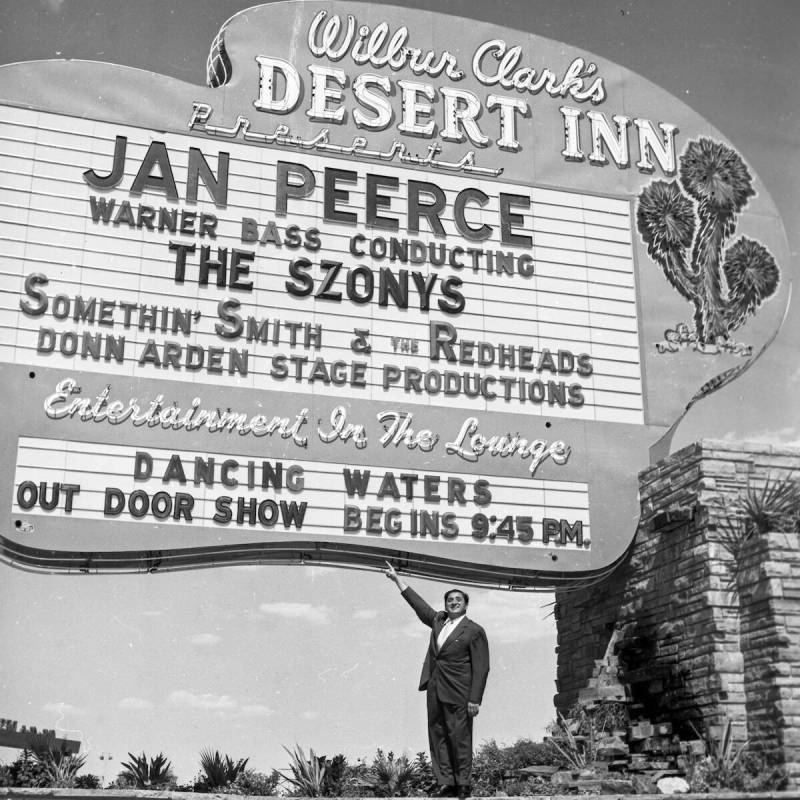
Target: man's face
455	605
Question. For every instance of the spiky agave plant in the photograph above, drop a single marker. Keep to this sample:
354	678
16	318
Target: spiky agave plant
220	770
391	776
308	774
775	506
565	740
723	750
725	287
155	773
59	768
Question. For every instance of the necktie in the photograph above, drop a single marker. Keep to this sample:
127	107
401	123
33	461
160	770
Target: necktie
443	634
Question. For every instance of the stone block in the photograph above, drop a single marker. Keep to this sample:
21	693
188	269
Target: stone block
783	541
657	744
767	588
718	466
778	569
697	747
671	628
789	709
563	778
616	786
641	730
791	737
672	785
611	747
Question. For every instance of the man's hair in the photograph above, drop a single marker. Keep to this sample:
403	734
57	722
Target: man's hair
460	591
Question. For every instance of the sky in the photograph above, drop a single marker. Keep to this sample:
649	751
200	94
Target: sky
249	659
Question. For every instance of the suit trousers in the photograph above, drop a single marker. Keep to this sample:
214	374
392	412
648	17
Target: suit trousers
450	737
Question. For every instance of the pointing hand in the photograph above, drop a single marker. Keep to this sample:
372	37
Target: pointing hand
391	573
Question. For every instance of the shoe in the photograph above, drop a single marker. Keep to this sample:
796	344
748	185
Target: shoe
463	792
446	791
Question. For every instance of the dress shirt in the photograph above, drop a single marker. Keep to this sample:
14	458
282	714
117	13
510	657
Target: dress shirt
447	629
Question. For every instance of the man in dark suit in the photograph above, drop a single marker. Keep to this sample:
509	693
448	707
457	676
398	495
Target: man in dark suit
454	676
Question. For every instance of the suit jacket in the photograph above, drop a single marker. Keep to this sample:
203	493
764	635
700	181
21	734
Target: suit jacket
457	672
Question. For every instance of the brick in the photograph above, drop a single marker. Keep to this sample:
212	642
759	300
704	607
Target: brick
642	730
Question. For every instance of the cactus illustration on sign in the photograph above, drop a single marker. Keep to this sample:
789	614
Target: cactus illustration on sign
686	224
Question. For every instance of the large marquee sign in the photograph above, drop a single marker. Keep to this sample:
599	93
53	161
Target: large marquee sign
389	286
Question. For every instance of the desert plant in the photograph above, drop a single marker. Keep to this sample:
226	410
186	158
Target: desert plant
610	716
219	771
59	767
257	784
566	738
724	766
153	774
24	771
336	772
723	750
357	780
424	781
88	781
489	766
124	780
308	774
773	507
720	759
391	776
725	286
492	766
752	773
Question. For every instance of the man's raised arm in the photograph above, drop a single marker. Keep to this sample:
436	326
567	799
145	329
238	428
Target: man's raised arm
421	608
392	575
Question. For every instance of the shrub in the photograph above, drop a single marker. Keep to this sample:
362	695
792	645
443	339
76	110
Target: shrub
336	771
424	781
124	780
357	781
58	767
25	771
185	787
88	781
749	773
250	782
727	767
494	767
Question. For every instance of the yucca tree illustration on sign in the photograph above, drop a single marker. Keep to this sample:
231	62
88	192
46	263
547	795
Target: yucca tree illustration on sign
686	224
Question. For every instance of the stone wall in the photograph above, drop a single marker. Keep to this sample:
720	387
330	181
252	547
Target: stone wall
676	605
769	598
